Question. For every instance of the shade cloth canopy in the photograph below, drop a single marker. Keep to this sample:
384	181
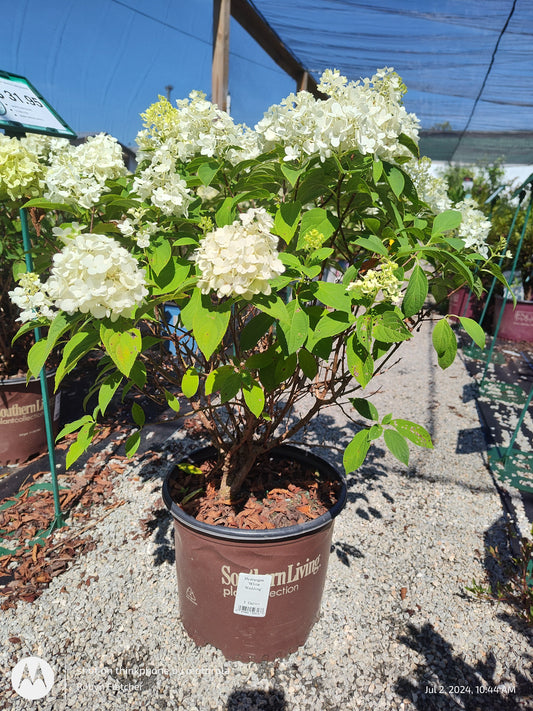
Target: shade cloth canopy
468	66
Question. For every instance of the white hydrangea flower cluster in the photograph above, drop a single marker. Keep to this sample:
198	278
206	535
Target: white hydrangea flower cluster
77	175
430	189
366	116
161	184
92	274
195	127
474	228
22	170
176	135
32	298
240	259
374	281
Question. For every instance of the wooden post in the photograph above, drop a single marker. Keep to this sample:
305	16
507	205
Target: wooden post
220	67
303	82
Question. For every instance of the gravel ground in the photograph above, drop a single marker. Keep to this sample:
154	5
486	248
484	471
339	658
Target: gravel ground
397	630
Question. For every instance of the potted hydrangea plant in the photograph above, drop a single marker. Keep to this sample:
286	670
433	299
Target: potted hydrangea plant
300	256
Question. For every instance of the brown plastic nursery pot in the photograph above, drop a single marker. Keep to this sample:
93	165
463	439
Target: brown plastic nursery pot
22	426
464	303
516	322
213	563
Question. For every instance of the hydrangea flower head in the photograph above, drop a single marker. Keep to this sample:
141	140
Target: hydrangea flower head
239	259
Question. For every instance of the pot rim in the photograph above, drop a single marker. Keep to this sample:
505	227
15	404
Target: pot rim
265	535
18	379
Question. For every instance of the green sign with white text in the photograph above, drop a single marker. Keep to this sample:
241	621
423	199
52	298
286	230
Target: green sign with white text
24	110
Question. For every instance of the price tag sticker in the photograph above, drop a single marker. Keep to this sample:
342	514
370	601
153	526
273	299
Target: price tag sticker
252	595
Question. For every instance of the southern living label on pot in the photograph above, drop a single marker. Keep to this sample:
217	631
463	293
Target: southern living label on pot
281	583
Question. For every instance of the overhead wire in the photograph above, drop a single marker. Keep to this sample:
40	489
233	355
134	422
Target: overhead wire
485	79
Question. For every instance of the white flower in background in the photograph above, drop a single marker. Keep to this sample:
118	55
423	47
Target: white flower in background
20	169
239	259
68	231
474	228
32	298
94	274
365	116
136	226
374	281
430	189
77	175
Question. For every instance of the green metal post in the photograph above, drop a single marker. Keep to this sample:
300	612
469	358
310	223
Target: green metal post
513	269
58	521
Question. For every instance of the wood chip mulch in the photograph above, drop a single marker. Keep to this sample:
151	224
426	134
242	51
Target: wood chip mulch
280	493
28	570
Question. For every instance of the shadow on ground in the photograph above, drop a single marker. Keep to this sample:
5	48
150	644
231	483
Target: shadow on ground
445	681
257	700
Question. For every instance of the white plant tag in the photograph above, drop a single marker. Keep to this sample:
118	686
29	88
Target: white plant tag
252	595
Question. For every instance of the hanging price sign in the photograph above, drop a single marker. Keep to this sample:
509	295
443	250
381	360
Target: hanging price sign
23	109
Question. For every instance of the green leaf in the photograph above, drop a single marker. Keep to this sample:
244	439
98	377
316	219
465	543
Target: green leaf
76	347
207	171
47	205
307	363
122	346
172	401
397	445
286	220
107	389
373	244
132	443
416	293
81	444
40	350
409	143
474	330
291	174
73	426
333	295
360	362
356	451
330	324
317	219
254	330
296	329
224	380
285	367
377	170
138	414
365	408
445	343
445	221
389	328
160	256
172	277
190	382
396	181
272	305
254	397
209	327
416	433
225	213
